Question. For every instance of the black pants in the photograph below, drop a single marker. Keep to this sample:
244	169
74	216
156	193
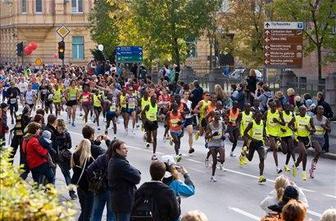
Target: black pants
43	171
65	171
16	142
86	203
326	143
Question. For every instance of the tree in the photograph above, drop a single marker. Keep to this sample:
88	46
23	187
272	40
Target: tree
104	29
171	22
245	19
319	17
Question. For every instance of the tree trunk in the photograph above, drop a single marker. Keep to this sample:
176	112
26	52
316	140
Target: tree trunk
176	58
319	62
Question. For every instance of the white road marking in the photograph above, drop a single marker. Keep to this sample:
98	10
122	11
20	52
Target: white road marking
314	213
199	171
329	195
244	213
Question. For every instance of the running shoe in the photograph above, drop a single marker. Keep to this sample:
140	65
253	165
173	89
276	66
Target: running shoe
294	171
106	132
98	128
232	154
147	145
178	158
312	169
304	175
206	163
81	115
262	179
191	150
154	157
114	138
287	169
73	124
278	170
197	135
213	179
242	161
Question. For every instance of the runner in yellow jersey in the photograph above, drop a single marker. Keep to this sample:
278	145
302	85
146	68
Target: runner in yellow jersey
72	95
286	135
245	118
201	110
273	122
304	126
123	102
150	117
255	131
97	106
57	99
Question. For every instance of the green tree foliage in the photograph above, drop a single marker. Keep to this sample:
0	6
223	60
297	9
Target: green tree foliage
21	200
104	28
319	17
170	22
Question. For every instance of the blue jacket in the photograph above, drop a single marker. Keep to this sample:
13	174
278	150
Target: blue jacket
180	188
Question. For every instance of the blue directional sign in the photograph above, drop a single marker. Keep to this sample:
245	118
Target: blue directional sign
129	54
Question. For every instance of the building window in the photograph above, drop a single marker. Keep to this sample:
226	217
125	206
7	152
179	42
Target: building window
38	6
24	6
78	47
77	6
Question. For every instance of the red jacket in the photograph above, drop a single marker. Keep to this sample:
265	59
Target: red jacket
36	155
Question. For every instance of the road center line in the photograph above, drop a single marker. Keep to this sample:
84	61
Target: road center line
329	195
244	213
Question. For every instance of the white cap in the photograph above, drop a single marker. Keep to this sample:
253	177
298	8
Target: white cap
168	159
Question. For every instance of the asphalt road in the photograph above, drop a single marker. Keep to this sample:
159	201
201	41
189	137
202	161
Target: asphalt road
236	194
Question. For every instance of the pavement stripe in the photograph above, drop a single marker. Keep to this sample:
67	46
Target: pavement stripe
331	196
314	213
242	212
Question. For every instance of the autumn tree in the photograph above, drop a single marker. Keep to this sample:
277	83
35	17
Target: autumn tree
245	19
320	19
171	22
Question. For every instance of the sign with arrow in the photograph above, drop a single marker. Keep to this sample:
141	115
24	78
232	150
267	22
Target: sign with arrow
129	54
283	46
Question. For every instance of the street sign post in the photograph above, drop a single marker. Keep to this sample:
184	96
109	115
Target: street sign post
283	44
62	32
129	54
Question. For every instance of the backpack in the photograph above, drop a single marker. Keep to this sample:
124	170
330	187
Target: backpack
98	182
144	207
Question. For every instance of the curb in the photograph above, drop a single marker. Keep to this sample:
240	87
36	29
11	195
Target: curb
330	156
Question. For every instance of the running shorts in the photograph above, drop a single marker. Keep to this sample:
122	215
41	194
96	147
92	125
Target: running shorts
71	103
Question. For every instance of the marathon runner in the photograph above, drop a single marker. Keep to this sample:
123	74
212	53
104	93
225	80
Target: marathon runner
255	132
149	117
71	96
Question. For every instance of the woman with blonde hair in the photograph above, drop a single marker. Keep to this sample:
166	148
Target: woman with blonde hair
329	215
80	160
291	96
194	215
219	93
294	210
275	196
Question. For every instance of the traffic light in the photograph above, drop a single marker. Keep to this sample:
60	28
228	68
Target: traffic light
61	49
19	49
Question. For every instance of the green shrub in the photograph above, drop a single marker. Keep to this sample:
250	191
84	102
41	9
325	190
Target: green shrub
20	200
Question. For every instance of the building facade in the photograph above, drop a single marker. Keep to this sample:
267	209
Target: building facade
38	20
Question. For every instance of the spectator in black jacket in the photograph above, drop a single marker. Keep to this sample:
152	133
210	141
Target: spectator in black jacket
122	178
101	197
63	143
166	206
51	127
89	133
80	160
328	113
